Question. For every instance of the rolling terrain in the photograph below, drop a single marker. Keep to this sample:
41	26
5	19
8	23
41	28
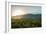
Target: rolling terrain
26	21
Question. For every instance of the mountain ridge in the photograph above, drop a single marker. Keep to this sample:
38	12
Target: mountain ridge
33	16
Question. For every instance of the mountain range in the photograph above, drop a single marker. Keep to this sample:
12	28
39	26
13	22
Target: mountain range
33	16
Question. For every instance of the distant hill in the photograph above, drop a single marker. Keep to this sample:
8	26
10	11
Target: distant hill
33	16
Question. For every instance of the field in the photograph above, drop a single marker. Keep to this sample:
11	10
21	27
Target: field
25	23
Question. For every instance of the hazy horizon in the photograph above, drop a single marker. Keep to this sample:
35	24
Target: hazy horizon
26	9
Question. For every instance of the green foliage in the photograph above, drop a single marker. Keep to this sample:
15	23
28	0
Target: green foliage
25	23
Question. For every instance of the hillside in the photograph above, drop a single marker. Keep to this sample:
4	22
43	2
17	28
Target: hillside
33	16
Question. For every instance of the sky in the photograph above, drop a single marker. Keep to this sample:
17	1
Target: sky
26	9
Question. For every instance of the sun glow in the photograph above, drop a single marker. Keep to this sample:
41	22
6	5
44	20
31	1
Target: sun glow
18	12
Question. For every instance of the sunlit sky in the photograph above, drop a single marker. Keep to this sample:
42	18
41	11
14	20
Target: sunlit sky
19	10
